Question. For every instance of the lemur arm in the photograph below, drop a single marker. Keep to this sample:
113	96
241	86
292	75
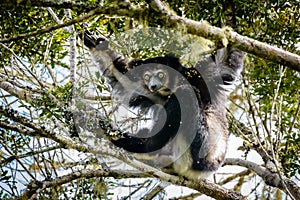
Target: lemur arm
112	65
218	73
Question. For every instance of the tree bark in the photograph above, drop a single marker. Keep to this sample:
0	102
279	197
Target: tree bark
123	8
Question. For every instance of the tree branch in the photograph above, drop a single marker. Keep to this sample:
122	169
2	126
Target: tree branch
35	187
31	153
123	8
154	192
240	42
241	130
109	10
234	176
270	178
49	28
14	91
106	148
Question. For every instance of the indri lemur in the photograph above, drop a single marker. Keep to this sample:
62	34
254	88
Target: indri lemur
190	120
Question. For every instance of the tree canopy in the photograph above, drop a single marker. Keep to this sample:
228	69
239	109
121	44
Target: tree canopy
42	156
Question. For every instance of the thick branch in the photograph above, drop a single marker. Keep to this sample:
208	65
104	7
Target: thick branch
203	29
243	43
205	186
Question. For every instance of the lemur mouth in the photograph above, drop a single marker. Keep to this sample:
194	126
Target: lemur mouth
164	91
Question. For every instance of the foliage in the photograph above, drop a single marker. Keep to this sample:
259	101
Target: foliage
38	69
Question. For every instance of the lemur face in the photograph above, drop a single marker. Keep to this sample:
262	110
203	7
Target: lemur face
156	81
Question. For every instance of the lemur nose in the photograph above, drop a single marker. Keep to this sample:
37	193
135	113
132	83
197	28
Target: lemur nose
153	87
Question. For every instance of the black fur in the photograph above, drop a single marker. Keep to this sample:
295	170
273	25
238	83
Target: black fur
141	144
204	129
138	143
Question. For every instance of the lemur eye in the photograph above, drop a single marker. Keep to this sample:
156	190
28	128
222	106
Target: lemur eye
161	75
146	77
